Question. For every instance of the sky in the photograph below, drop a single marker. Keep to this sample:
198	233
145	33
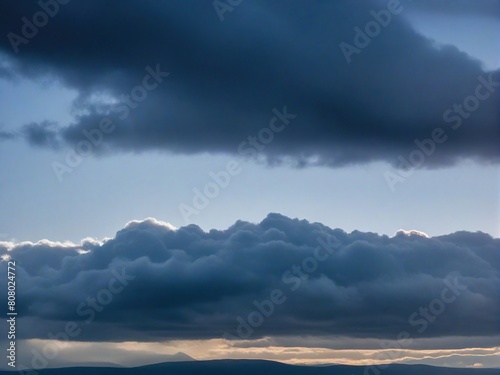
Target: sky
193	136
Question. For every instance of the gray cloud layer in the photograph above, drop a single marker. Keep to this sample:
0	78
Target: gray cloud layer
226	77
192	284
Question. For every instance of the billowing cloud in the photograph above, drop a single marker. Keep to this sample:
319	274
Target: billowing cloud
152	282
225	78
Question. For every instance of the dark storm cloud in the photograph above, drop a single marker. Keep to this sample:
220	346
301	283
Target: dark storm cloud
187	283
6	135
226	77
41	134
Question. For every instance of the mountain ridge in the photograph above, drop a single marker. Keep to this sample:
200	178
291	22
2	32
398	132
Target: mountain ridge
247	367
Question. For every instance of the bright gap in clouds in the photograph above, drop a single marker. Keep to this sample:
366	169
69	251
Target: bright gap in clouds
31	101
133	353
